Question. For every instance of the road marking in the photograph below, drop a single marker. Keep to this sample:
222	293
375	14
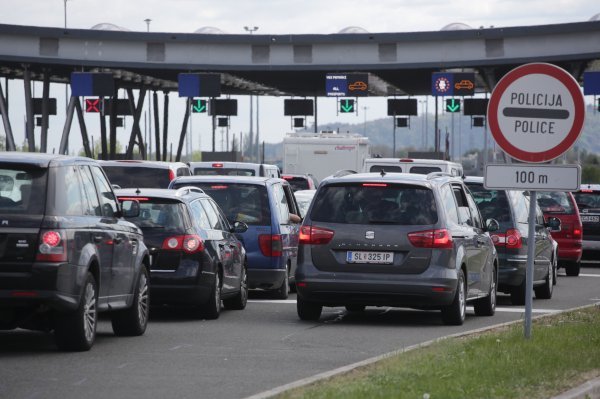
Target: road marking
589	275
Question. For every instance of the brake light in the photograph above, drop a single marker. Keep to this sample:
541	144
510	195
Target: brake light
438	238
374	185
406	160
511	239
270	244
314	235
134	199
218	187
53	246
189	243
577	232
171	175
217	165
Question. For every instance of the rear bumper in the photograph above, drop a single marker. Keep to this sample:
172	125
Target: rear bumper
569	254
267	279
511	272
184	291
590	245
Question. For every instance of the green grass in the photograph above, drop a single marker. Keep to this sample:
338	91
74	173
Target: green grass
564	351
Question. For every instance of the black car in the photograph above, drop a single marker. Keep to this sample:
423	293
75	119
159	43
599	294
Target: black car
143	174
396	239
588	202
196	258
65	251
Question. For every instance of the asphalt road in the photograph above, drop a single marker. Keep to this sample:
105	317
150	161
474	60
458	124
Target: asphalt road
240	354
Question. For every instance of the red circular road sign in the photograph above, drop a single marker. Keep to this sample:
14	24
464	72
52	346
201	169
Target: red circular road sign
536	112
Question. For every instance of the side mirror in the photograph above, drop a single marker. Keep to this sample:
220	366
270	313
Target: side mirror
553	223
131	208
239	227
492	225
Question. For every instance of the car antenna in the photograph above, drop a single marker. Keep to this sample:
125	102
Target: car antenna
382	172
137	191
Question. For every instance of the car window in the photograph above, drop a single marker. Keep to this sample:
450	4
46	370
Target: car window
587	199
556	202
281	204
108	202
492	204
449	203
520	206
298	183
475	215
137	177
91	205
224	172
463	204
158	213
213	217
183	172
223	220
424	170
386	168
22	190
69	201
200	218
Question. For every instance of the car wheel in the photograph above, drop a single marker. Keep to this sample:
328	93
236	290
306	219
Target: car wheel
212	309
572	269
455	313
308	311
76	331
545	291
133	321
487	306
283	291
517	294
355	308
239	301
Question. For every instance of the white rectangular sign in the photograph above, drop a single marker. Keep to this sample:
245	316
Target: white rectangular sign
532	177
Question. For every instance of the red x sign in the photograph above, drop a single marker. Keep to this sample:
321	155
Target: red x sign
92	105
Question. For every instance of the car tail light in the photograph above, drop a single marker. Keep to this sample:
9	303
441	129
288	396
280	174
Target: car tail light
511	239
438	238
315	235
270	244
188	243
217	165
374	185
171	175
53	246
577	232
133	199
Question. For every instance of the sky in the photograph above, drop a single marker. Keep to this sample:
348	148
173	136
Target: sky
271	17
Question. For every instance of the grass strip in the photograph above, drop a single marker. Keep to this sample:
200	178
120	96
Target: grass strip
563	352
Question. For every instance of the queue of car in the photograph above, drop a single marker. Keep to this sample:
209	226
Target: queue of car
203	239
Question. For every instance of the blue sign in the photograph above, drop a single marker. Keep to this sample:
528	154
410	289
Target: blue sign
336	85
199	84
591	83
92	84
442	84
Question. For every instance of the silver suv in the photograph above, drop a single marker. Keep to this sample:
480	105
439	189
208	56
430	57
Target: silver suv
400	240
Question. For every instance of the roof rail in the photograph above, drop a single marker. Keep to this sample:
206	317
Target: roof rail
433	175
187	190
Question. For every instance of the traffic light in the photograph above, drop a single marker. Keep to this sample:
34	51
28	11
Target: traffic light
452	105
198	105
346	106
93	104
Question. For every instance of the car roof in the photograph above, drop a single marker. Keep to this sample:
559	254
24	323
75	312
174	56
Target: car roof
595	187
473	179
391	177
225	179
40	159
178	194
142	163
230	164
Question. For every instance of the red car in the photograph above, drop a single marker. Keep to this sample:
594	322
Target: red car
562	205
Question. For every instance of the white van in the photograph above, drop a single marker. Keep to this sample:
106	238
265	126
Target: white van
234	169
410	165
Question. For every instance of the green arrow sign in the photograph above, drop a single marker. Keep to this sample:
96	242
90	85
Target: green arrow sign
346	106
452	105
199	106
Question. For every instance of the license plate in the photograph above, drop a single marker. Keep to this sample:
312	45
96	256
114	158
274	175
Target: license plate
370	257
590	218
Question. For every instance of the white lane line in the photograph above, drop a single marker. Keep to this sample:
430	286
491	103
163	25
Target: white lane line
589	275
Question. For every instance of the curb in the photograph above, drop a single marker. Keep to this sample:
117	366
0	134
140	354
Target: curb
582	391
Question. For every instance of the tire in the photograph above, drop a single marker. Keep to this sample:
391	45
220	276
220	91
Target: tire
132	322
572	269
76	330
487	306
544	291
308	311
517	294
455	313
212	309
283	291
239	301
355	308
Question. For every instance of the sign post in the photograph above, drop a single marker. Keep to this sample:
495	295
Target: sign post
535	114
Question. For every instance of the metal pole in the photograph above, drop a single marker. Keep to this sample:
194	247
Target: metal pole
530	262
10	141
394	138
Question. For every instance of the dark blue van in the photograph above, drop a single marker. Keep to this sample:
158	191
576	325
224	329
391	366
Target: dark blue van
268	206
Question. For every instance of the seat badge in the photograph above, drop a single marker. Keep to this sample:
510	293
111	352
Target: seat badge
370	235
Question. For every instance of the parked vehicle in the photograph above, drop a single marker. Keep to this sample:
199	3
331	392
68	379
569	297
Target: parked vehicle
195	257
143	174
267	205
511	209
301	182
304	199
411	165
67	253
389	239
588	202
234	169
562	205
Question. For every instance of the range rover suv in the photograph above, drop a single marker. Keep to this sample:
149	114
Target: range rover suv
66	253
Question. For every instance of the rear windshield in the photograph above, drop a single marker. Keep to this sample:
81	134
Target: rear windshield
424	170
386	168
587	199
557	202
297	183
365	203
493	204
22	190
137	177
160	214
247	203
224	172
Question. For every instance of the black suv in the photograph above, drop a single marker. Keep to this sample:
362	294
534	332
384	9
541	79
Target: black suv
196	258
404	240
65	251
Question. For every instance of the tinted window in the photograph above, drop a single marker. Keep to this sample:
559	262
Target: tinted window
69	198
183	172
160	213
107	197
386	168
199	215
493	204
387	204
137	177
297	183
91	206
557	202
247	203
22	190
224	172
449	203
587	199
213	217
423	170
281	204
520	206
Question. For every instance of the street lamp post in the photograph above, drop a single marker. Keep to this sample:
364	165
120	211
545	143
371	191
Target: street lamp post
66	88
251	30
